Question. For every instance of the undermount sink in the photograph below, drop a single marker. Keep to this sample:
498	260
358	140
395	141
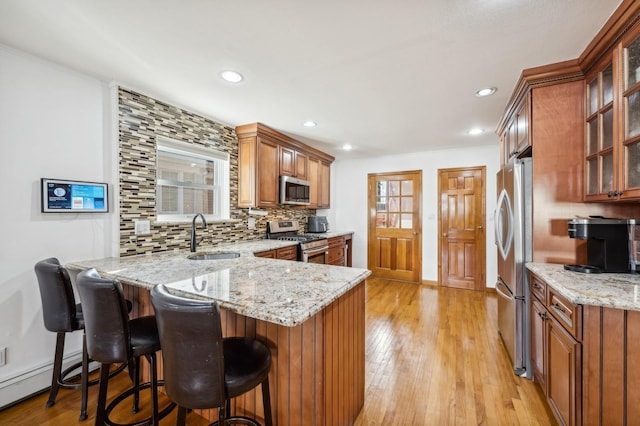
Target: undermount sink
213	256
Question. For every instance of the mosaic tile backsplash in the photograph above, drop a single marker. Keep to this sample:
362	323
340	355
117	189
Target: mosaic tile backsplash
141	120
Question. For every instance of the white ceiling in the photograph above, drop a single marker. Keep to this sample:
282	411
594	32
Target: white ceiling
385	76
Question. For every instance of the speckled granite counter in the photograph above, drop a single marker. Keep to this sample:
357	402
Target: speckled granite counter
620	291
330	233
277	291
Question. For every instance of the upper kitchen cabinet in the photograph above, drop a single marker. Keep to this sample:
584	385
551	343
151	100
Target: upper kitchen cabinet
293	163
515	140
264	154
320	178
612	132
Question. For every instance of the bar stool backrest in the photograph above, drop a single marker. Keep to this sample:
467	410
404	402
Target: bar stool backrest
105	316
56	293
192	349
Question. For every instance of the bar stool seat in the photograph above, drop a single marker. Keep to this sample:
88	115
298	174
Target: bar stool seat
202	369
113	338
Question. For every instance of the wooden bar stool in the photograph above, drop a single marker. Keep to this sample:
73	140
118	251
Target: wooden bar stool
201	369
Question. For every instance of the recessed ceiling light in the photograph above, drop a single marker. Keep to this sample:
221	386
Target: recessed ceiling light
231	76
347	147
309	123
486	92
476	131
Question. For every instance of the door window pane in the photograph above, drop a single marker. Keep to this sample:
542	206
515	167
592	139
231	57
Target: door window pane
407	204
394	220
407	221
407	187
394	187
394	204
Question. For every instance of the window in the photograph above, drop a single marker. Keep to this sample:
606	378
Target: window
191	179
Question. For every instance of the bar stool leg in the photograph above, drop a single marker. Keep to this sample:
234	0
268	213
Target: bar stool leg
154	387
266	402
136	385
57	369
182	416
102	395
84	388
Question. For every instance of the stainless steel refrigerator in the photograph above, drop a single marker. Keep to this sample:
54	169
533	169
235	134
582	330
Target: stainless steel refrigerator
513	225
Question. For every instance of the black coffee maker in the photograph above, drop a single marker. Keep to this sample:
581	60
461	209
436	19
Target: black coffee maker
607	244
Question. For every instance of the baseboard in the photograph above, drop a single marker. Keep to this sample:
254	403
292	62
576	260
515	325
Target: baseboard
25	384
430	283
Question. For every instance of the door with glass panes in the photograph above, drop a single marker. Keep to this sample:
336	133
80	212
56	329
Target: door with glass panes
395	225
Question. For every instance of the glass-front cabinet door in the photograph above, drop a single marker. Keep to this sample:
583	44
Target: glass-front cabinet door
612	150
599	172
630	149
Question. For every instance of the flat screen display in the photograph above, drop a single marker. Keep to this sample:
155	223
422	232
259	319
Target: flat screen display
69	196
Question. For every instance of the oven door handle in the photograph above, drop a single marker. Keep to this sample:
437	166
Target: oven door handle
313	252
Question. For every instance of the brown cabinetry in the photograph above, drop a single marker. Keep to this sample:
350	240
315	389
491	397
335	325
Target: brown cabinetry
319	178
293	163
284	253
265	154
613	122
514	139
337	251
556	350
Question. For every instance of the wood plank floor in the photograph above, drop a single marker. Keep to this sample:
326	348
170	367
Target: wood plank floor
433	357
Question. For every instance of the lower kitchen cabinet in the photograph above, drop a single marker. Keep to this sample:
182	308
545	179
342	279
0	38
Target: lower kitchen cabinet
337	251
284	253
556	353
563	373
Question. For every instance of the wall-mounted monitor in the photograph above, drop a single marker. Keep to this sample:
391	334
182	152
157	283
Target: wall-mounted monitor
70	196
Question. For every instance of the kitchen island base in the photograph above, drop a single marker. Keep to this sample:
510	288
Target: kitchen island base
317	374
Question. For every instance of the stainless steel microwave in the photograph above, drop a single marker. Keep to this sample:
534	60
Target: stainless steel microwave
294	191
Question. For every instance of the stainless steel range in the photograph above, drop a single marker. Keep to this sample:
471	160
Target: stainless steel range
312	248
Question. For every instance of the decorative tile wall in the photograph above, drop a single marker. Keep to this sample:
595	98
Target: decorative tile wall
141	120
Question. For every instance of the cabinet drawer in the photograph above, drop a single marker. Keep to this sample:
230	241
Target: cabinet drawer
567	314
538	288
269	254
288	253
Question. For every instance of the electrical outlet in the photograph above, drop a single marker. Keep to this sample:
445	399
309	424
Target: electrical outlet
251	223
3	356
142	227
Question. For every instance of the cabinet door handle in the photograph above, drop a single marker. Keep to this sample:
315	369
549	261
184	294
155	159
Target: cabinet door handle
543	315
609	194
537	286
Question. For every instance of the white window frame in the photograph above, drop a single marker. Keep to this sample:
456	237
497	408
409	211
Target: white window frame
221	160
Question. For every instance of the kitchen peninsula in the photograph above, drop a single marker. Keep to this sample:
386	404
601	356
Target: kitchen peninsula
311	316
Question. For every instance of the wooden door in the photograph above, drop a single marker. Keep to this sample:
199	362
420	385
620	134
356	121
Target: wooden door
395	225
462	219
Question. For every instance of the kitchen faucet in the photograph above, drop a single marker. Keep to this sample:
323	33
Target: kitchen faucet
193	244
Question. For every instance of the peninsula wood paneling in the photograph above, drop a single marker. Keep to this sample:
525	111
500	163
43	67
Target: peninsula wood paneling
317	373
611	384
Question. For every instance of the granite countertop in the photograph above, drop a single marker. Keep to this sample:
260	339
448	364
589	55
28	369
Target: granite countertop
620	291
331	233
277	291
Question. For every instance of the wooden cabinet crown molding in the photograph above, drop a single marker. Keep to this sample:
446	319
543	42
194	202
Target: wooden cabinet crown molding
255	129
623	19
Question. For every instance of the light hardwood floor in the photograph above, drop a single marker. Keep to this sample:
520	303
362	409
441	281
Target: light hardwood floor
433	357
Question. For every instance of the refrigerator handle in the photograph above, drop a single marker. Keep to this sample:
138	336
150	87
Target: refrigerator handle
506	295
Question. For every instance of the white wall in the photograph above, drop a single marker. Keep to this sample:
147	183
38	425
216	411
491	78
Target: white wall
349	198
52	124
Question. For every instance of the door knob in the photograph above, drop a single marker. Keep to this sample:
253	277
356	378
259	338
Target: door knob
445	235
